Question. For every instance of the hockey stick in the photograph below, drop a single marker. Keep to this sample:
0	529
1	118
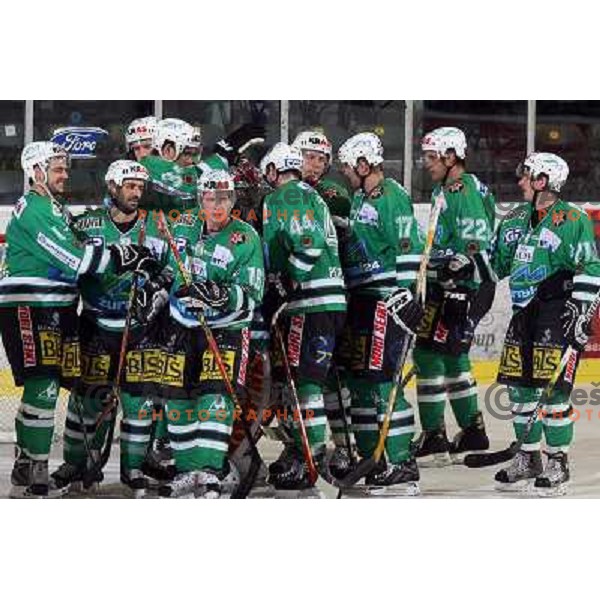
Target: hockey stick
313	474
367	465
246	485
477	461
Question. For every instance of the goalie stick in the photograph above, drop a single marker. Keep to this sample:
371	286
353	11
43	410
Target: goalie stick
367	465
246	484
488	459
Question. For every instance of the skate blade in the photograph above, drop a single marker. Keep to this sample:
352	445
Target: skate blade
552	492
435	461
262	491
523	485
306	494
399	490
19	492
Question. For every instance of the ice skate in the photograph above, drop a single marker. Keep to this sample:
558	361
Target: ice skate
524	467
472	439
433	449
554	481
183	485
29	479
294	481
340	462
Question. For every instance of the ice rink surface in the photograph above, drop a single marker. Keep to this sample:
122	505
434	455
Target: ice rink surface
449	482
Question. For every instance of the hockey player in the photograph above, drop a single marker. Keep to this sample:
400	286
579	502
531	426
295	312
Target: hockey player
548	251
304	272
455	302
175	164
138	137
381	262
105	299
317	154
38	301
224	259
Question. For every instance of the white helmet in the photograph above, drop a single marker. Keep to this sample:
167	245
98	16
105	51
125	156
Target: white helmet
284	157
181	134
443	139
39	154
551	165
362	145
119	170
216	180
140	129
315	141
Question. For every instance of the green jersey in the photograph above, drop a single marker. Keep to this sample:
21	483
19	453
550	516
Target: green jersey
300	243
174	188
385	244
466	221
562	240
336	197
231	257
44	256
106	296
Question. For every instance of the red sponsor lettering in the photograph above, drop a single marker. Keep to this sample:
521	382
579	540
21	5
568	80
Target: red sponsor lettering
295	340
27	339
441	333
378	337
570	368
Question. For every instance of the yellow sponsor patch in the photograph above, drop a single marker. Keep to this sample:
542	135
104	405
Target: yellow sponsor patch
50	344
511	362
426	324
145	366
71	359
545	362
210	369
95	369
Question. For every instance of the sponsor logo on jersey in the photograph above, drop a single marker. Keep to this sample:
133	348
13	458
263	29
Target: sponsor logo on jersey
511	362
455	187
559	217
50	345
545	361
79	142
20	206
378	337
570	367
549	240
244	356
27	340
524	253
61	254
237	237
221	257
367	215
294	341
511	235
210	367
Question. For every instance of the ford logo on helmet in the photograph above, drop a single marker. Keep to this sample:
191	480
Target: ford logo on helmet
79	142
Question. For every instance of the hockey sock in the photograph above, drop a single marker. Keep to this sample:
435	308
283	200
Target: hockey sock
462	388
34	422
431	388
215	424
558	422
310	395
523	403
136	428
369	404
83	412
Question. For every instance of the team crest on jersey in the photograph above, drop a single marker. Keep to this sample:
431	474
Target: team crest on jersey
473	248
457	186
376	193
237	237
559	217
306	241
405	245
329	193
511	235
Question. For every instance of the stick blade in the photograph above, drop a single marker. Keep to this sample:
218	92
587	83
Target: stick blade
488	459
363	468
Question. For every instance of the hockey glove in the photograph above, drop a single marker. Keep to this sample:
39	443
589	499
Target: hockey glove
404	309
204	294
152	297
575	324
130	257
232	146
458	268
